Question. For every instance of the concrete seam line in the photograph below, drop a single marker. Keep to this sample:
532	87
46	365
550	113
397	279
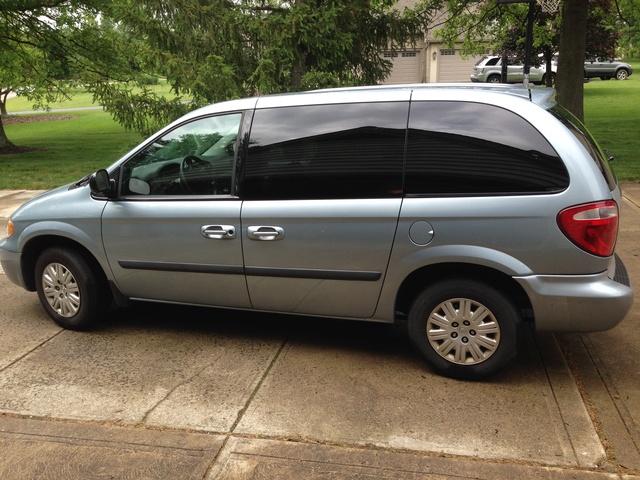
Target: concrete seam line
244	409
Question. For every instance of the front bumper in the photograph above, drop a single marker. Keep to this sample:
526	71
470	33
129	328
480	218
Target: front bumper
11	266
579	303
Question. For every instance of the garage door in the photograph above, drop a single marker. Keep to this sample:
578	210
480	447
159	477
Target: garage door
406	67
453	68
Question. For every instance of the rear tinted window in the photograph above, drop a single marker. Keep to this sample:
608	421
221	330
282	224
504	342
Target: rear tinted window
467	148
326	152
487	62
577	128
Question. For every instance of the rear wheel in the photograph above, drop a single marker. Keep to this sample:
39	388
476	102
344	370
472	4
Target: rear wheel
70	292
553	79
464	328
493	79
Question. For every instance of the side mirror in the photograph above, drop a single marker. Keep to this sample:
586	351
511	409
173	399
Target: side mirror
101	184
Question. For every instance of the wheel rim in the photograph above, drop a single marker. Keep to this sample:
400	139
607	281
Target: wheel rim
463	331
61	290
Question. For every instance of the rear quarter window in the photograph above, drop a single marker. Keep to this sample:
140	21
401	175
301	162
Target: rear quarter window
463	148
577	128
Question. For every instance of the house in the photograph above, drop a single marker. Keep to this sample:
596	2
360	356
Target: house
429	60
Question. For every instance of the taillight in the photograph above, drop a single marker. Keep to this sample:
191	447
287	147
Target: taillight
592	226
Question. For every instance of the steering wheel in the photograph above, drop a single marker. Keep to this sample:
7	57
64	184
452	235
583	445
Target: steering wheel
196	174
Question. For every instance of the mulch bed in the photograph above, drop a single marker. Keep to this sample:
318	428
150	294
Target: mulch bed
15	119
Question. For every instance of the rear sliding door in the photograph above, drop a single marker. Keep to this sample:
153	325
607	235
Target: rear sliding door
322	193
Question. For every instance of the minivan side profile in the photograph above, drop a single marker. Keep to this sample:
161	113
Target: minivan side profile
400	204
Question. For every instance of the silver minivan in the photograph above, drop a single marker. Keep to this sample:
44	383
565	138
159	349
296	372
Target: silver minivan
461	212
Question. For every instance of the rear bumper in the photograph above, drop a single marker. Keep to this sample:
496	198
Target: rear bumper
579	303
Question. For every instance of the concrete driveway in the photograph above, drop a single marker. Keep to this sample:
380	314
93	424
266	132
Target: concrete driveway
175	392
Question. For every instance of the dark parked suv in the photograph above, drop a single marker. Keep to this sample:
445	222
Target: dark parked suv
606	69
460	212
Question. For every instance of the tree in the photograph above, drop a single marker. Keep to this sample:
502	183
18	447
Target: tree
208	51
628	15
503	25
603	30
44	43
597	18
570	77
222	49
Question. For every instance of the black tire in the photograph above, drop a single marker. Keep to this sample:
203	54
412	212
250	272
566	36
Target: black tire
494	79
553	79
455	343
69	290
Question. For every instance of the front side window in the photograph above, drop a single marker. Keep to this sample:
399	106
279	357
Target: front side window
326	152
457	148
196	158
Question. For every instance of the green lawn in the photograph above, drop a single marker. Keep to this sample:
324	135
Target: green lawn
66	150
69	149
612	115
79	98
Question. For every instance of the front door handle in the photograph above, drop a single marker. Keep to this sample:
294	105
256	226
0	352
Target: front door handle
265	233
219	232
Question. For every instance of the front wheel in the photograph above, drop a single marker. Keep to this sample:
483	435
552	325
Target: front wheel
68	289
622	74
464	328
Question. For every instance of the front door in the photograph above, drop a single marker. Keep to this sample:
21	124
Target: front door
174	232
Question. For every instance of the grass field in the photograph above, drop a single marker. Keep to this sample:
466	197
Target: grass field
65	150
68	149
80	98
612	115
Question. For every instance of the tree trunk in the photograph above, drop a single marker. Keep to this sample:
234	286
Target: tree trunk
4	94
298	70
570	77
299	67
4	141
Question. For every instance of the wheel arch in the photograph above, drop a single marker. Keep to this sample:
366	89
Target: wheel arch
35	246
431	274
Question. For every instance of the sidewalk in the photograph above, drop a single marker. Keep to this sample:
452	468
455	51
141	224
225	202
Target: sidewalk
37	441
38	449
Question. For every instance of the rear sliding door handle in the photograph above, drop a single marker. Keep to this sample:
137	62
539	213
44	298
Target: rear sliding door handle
265	233
219	232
